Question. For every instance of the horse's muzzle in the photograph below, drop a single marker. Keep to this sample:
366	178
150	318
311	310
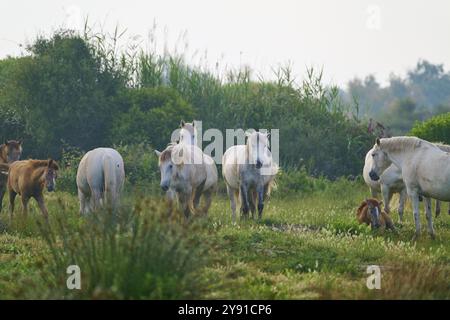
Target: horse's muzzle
50	188
258	164
373	175
164	187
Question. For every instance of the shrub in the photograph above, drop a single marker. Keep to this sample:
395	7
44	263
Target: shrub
138	254
436	129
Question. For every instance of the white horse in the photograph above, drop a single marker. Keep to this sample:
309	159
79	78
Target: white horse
100	179
249	171
391	181
425	170
189	174
188	133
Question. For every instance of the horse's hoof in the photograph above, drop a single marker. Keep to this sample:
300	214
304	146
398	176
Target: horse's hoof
433	236
415	237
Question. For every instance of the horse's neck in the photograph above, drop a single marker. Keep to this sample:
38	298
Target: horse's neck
39	173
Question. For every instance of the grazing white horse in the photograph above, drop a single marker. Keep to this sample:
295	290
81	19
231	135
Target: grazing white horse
100	179
249	172
425	170
189	174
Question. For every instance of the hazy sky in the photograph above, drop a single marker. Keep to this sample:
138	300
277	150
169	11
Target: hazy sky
347	37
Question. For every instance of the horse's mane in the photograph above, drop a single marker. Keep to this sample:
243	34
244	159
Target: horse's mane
42	163
442	146
166	154
395	144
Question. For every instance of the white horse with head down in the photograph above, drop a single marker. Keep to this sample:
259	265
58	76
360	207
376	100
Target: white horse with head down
249	172
425	171
189	174
100	179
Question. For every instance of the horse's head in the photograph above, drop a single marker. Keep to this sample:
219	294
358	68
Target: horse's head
12	150
258	149
166	166
380	161
374	212
187	133
51	173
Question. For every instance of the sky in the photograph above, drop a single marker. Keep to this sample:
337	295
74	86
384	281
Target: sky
347	38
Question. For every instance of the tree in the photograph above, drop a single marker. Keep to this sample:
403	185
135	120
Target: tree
64	95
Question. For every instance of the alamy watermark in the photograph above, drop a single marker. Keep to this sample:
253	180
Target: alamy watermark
374	280
264	146
74	279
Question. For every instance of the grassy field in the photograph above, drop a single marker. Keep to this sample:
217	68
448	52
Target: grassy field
306	247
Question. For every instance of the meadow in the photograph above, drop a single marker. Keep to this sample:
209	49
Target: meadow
308	245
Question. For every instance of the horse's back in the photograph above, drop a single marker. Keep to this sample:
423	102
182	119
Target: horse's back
91	171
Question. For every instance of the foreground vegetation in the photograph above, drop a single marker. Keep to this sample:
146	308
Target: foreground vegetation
307	245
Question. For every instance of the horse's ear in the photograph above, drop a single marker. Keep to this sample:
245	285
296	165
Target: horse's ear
50	162
193	123
158	153
6	142
182	123
20	142
378	142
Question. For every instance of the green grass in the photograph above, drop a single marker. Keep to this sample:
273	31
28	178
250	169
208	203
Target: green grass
307	246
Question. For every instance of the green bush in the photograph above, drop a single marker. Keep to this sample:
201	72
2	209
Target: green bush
141	167
436	129
149	115
138	254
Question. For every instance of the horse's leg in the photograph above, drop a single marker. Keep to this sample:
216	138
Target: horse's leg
260	191
437	210
244	198
429	216
197	196
208	195
387	196
252	201
170	197
40	201
401	204
232	195
83	200
2	193
25	200
96	197
449	208
415	203
12	197
185	202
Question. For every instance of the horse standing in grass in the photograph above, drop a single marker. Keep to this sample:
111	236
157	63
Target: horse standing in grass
391	181
370	213
425	171
100	179
189	174
249	172
28	178
10	151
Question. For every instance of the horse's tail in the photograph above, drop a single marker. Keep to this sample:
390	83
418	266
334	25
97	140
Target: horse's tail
110	180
